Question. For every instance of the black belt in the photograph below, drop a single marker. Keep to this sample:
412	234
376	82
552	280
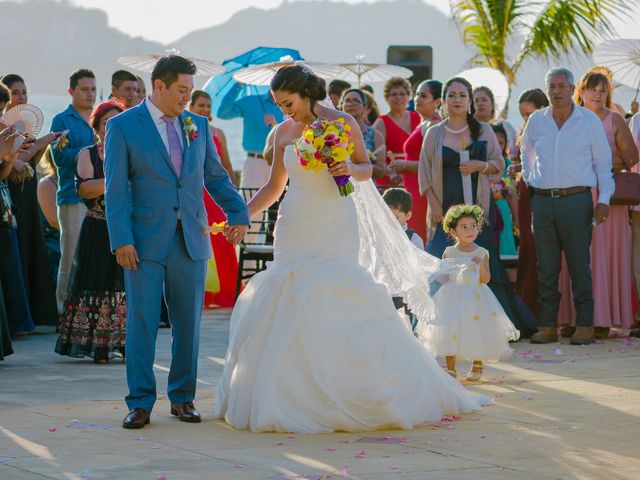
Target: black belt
559	192
255	155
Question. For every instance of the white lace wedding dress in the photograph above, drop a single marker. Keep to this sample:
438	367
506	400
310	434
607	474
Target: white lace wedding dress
316	344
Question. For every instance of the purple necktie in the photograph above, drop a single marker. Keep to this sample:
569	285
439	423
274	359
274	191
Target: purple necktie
175	145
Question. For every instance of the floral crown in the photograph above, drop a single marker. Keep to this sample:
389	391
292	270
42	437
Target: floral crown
458	211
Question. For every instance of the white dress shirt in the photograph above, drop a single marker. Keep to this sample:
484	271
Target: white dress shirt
156	115
576	155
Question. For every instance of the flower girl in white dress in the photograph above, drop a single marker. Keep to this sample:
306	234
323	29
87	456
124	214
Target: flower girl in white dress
469	322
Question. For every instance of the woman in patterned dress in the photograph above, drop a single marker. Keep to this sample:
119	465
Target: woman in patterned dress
93	321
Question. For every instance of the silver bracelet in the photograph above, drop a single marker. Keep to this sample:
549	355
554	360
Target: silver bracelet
486	167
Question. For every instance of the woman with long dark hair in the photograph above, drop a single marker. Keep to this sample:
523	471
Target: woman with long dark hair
443	171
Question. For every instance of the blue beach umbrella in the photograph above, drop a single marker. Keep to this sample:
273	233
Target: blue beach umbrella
232	99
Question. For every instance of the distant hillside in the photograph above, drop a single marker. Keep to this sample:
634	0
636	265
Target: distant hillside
335	32
44	41
331	31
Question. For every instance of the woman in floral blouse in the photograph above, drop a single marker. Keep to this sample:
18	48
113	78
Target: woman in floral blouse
93	321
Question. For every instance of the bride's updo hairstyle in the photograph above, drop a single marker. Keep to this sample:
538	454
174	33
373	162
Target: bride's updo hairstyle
300	79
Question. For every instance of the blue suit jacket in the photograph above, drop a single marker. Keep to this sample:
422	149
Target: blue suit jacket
144	194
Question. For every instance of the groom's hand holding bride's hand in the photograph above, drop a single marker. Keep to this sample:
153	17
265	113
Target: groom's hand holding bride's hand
127	257
235	233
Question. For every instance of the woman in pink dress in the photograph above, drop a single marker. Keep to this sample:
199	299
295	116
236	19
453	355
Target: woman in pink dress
427	102
611	242
396	125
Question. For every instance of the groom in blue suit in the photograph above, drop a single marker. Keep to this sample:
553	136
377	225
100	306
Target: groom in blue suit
157	159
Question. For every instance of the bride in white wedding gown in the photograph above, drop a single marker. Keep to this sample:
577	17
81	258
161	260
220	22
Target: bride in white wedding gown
316	344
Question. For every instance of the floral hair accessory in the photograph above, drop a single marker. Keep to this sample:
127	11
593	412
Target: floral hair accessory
456	212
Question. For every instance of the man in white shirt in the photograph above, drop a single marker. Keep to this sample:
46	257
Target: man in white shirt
565	154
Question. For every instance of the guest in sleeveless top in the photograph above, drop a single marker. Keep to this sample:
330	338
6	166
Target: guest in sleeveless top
23	185
47	191
611	241
353	102
427	102
93	322
222	267
397	125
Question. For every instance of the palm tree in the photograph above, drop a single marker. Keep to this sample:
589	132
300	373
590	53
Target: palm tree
550	28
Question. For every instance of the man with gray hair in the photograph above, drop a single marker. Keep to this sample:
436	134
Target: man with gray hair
565	154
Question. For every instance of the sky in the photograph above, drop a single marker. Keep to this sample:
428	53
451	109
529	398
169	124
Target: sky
125	15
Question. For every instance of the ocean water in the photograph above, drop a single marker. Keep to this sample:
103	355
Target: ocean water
52	104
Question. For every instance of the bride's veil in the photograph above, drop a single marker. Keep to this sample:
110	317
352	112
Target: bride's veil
388	254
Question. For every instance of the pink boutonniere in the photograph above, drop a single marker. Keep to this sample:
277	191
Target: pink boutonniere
190	130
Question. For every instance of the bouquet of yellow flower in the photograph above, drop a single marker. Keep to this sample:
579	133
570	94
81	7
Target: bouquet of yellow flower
324	143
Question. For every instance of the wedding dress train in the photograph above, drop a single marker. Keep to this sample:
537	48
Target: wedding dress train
316	344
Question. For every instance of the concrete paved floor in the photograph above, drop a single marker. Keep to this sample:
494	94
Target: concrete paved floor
561	412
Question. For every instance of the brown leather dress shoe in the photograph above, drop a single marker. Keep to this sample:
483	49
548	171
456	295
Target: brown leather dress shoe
601	333
583	336
186	412
567	331
545	335
136	418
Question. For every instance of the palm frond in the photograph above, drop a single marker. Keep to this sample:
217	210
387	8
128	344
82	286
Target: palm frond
562	26
488	26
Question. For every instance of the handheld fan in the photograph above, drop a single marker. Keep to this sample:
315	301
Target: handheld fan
25	118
